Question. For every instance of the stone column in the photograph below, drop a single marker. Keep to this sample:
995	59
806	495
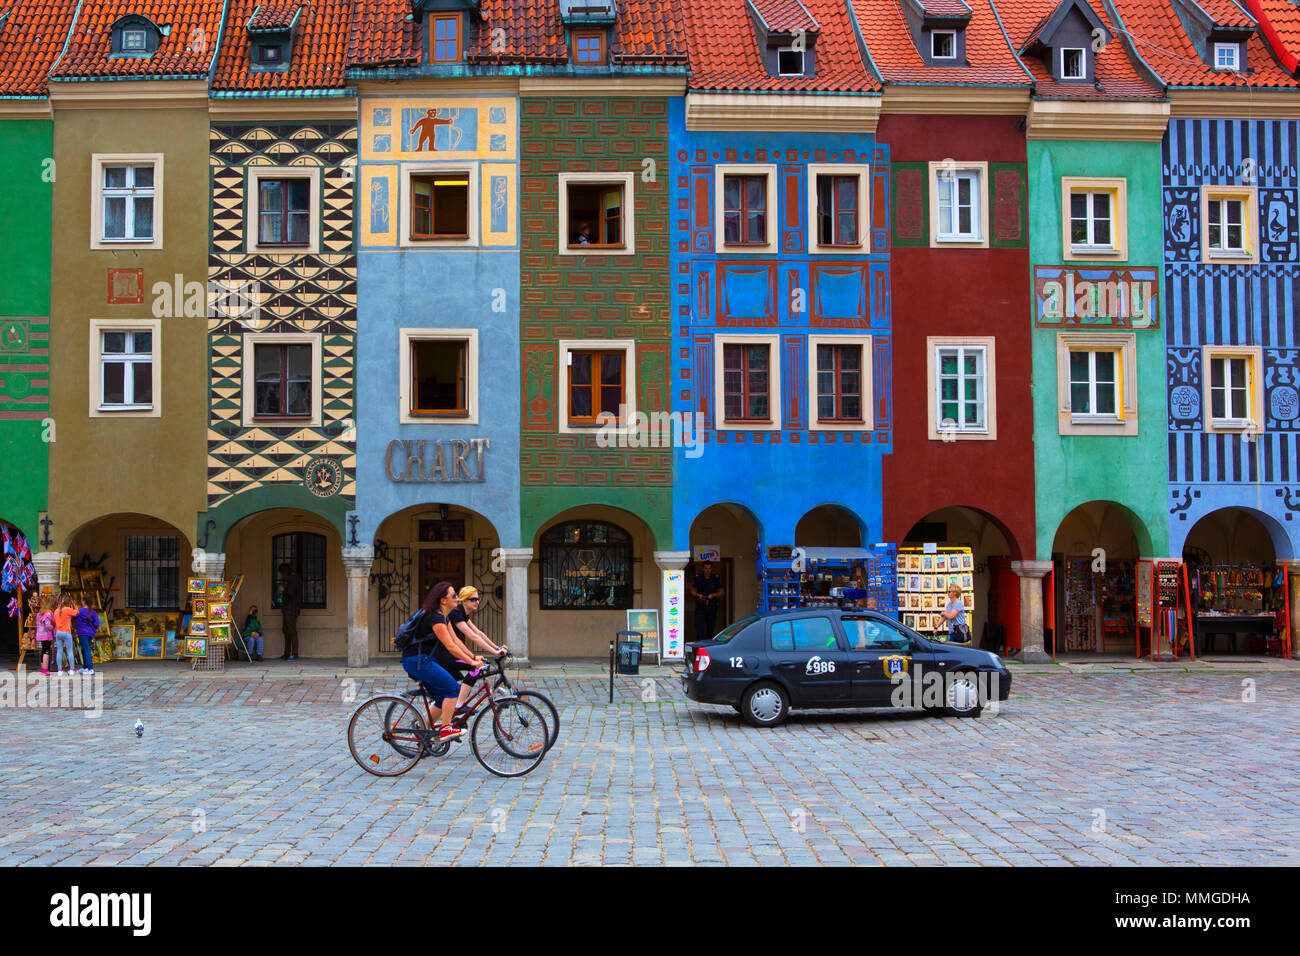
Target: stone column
209	565
674	625
48	564
357	560
1031	574
516	562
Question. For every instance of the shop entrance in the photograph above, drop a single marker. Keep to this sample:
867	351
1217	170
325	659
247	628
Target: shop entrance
440	564
1238	589
732	532
1094	558
995	621
828	526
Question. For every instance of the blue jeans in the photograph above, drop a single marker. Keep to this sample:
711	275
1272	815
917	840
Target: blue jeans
87	658
63	648
254	642
426	670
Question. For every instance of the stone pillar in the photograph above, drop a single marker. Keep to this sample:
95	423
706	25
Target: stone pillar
1293	582
357	560
674	613
209	565
1031	574
516	561
48	564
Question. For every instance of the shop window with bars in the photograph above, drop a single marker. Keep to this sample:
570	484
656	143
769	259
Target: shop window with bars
303	551
586	565
153	572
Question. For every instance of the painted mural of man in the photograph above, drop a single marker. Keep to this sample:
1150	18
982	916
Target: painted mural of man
427	126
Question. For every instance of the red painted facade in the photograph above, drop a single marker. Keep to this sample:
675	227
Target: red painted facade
960	292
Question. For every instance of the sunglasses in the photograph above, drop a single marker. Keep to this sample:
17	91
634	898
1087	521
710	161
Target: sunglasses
474	599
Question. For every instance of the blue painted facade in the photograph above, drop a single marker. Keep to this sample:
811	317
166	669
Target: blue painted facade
791	293
1233	305
432	286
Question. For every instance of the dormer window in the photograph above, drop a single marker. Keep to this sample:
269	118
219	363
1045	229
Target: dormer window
589	48
1074	63
787	36
1227	56
789	62
271	30
269	53
943	44
134	41
134	35
444	38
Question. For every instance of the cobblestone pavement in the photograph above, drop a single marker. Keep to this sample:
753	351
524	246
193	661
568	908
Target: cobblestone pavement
1076	769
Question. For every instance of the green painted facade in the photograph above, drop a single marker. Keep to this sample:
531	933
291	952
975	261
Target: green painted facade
1071	470
591	298
27	168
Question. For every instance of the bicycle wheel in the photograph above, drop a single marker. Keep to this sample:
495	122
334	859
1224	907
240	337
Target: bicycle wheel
386	735
547	708
432	746
509	737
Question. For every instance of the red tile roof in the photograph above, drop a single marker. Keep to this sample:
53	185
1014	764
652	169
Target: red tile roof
30	39
889	42
725	54
1160	40
1280	22
1116	73
1225	13
784	16
273	16
320	47
383	33
187	49
946	8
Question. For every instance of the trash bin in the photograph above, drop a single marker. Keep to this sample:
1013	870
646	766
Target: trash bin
628	646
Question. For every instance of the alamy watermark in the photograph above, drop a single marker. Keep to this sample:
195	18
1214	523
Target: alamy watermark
25	690
629	429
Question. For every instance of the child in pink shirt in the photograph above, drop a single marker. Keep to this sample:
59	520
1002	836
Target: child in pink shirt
45	630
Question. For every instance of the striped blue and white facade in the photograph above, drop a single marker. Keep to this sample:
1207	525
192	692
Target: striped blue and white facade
1251	305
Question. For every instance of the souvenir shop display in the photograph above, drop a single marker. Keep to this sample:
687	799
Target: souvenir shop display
1237	600
800	577
924	575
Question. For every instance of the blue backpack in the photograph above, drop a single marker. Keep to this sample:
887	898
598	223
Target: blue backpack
406	634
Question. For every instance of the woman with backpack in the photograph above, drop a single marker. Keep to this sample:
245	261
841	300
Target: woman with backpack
418	652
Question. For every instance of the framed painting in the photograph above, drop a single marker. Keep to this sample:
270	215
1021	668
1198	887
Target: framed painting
218	591
200	608
173	645
123	641
196	586
184	624
92	579
101	649
198	628
196	647
148	648
219	611
218	633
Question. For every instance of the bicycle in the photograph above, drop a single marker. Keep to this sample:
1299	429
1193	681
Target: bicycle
387	735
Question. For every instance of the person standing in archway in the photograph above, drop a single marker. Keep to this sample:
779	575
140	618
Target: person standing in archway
706	589
290	606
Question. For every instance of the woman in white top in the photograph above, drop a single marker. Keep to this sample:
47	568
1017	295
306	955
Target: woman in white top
955	614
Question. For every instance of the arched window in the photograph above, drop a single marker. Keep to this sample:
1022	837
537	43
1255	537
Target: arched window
586	564
305	553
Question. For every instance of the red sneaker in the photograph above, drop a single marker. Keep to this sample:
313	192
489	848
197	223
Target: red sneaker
450	733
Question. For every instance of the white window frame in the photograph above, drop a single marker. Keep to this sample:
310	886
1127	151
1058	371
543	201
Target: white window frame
566	346
868	390
989	432
773	343
97	163
948	33
1235	48
471	170
252	339
97	329
720	172
135	31
1253	355
1083	62
628	182
1249	199
1125	420
803	61
1117	188
251	209
406	337
979	239
864	210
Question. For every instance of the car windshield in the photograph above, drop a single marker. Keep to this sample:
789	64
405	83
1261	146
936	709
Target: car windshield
734	628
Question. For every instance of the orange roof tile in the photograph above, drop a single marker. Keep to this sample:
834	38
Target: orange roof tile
30	39
1225	13
1280	22
784	16
1116	73
320	47
892	50
382	32
187	48
952	9
1159	38
725	54
273	16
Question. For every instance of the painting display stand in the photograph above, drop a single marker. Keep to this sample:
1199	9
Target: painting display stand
215	661
924	576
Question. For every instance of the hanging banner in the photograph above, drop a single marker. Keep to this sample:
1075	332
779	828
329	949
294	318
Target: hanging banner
674	615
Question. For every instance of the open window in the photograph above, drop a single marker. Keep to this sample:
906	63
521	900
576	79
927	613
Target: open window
439	375
596	214
439	205
837	206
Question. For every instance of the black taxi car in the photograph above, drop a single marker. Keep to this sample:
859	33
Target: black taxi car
838	657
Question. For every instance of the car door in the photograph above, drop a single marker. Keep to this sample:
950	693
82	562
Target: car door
883	656
809	656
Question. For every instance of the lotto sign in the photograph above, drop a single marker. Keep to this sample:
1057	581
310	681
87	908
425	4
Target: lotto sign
674	614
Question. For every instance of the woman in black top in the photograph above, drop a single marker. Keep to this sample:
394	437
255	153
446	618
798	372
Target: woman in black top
420	660
464	629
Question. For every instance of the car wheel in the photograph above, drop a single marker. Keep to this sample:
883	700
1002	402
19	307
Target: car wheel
962	696
765	705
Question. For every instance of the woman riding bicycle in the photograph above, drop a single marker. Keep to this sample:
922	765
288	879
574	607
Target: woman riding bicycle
421	661
470	601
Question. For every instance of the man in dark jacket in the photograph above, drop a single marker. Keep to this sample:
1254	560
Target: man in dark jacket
290	605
